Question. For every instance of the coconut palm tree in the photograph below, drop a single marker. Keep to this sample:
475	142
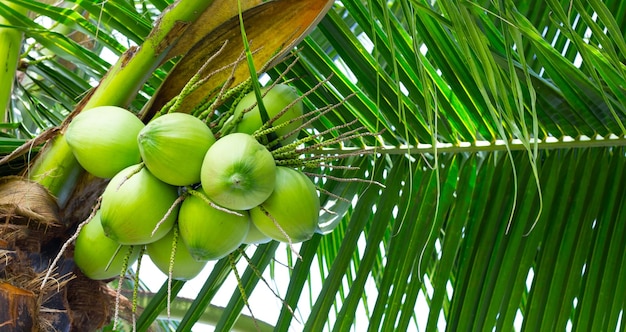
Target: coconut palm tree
468	156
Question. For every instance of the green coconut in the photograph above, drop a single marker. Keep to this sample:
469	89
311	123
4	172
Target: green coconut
134	202
210	233
294	206
184	268
238	172
98	256
255	236
173	147
104	140
275	101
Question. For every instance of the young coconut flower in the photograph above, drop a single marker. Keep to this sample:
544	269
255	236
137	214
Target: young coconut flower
275	101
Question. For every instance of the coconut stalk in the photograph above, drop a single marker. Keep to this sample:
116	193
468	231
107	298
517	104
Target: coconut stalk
10	44
55	167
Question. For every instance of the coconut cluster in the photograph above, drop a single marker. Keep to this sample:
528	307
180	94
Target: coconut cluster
185	195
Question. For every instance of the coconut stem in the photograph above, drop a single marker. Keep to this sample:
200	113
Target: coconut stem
282	231
56	169
169	212
137	169
10	46
288	150
206	111
208	202
291	156
336	178
333	195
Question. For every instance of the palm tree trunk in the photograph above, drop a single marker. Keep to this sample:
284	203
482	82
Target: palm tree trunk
20	308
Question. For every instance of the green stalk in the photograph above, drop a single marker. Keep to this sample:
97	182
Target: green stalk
56	168
10	42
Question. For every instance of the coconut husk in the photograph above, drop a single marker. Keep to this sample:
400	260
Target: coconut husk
6	257
10	234
90	306
29	211
30	215
92	303
27	202
29	235
83	199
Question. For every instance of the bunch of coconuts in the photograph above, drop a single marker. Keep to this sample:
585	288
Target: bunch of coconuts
231	189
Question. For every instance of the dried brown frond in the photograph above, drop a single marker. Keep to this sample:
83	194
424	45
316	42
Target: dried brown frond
25	202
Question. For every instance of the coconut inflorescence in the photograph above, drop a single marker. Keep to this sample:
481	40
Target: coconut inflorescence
174	185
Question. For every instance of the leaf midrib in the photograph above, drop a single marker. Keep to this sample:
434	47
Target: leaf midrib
482	146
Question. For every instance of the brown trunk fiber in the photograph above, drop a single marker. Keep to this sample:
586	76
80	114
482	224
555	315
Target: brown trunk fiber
18	311
32	231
